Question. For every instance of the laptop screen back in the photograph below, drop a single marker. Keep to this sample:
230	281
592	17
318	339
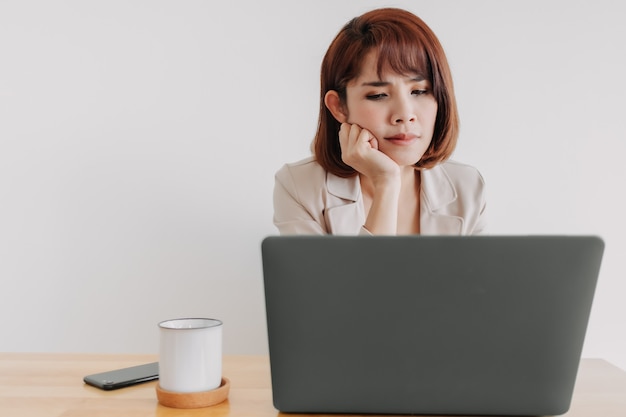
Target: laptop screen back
427	324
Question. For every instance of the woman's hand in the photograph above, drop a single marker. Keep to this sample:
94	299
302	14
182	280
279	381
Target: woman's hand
359	149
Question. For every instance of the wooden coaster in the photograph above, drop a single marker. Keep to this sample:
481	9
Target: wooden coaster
194	399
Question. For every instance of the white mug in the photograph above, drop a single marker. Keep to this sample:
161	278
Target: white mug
190	356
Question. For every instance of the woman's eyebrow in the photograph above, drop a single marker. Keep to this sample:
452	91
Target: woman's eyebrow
375	84
381	83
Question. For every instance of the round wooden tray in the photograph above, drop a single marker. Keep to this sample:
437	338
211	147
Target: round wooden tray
194	399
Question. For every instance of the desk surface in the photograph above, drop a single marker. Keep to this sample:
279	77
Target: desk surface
35	384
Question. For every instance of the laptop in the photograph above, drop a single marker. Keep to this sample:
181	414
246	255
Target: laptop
463	325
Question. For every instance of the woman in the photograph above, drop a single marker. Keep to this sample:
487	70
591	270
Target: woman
388	124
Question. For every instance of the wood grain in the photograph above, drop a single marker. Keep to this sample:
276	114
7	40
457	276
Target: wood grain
48	384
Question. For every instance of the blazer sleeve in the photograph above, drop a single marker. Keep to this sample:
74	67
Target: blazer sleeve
291	215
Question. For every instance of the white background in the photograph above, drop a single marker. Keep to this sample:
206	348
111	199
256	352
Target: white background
138	143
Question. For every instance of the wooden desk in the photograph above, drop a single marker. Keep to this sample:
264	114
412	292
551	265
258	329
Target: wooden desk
51	385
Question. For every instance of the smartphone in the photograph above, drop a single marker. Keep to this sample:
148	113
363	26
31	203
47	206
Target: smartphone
124	377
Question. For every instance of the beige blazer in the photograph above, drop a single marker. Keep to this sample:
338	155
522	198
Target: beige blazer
309	200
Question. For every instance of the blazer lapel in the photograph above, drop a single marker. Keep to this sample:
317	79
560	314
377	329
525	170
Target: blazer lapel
437	193
344	213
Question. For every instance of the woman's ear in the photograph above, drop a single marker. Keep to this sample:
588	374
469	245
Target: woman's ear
333	104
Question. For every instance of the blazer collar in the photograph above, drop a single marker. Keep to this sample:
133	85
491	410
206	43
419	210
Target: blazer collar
346	218
344	188
437	188
437	192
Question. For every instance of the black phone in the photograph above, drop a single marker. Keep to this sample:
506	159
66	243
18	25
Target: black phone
124	377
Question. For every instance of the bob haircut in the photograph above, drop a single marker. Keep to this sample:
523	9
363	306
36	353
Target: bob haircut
403	43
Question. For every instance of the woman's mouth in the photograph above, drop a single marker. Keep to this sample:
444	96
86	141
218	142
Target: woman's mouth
402	138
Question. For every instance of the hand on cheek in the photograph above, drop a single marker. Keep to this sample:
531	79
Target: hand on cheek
359	149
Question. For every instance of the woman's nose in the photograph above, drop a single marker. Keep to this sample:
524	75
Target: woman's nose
403	112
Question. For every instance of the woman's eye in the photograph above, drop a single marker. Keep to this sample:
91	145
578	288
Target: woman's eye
376	96
419	92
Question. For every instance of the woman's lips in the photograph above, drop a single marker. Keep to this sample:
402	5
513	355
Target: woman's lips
402	138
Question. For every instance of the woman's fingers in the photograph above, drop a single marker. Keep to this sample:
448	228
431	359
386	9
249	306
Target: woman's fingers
353	136
357	145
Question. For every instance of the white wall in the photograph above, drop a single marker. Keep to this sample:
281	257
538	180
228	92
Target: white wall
138	143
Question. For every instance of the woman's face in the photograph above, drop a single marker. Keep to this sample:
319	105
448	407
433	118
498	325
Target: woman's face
398	109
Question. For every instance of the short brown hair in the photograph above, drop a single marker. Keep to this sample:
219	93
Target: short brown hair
404	43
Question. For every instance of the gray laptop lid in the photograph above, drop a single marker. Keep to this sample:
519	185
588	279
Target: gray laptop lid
427	324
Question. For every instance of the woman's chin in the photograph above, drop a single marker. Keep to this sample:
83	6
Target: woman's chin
404	157
404	160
